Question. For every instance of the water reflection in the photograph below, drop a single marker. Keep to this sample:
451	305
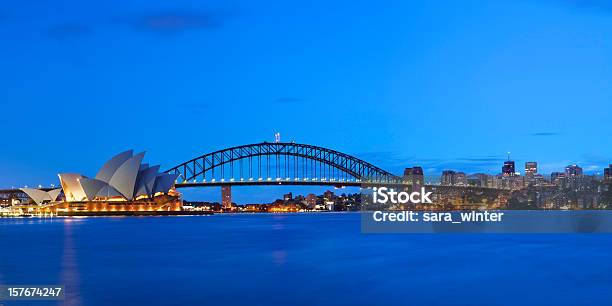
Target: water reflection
70	269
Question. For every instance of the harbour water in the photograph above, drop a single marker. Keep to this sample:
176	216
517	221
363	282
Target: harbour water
296	259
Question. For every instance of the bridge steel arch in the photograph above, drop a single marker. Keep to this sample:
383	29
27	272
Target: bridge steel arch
195	171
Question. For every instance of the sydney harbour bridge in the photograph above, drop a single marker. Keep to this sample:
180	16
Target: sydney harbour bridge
278	163
289	163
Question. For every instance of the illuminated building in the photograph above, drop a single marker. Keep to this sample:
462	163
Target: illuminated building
288	197
478	179
311	201
537	180
460	179
447	177
574	178
608	173
508	168
573	171
531	174
122	178
414	176
558	178
556	175
531	168
123	183
328	195
452	178
226	197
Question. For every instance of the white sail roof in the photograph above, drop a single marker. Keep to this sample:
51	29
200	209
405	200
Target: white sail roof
37	195
108	192
91	187
108	170
54	193
146	181
124	178
164	182
124	175
72	187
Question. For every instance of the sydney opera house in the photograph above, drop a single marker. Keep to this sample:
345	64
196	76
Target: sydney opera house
123	184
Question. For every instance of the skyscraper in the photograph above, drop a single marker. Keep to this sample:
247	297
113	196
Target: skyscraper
418	177
452	178
531	168
573	171
447	177
407	174
414	176
555	175
608	173
460	179
508	168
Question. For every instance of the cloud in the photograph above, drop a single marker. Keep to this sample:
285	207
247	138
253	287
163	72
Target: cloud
174	22
68	31
544	134
288	100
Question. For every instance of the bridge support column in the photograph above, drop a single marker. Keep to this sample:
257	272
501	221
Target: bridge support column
226	197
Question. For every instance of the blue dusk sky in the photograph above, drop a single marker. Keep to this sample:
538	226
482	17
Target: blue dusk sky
440	84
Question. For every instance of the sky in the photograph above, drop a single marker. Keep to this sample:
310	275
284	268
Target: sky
439	84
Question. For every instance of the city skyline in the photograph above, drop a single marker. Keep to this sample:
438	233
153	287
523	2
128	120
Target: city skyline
455	90
510	177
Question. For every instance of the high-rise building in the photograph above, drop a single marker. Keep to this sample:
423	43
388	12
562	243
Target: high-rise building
608	173
531	168
478	179
226	196
447	177
407	174
418	176
460	179
414	176
508	168
538	180
555	175
288	197
573	171
558	178
452	178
